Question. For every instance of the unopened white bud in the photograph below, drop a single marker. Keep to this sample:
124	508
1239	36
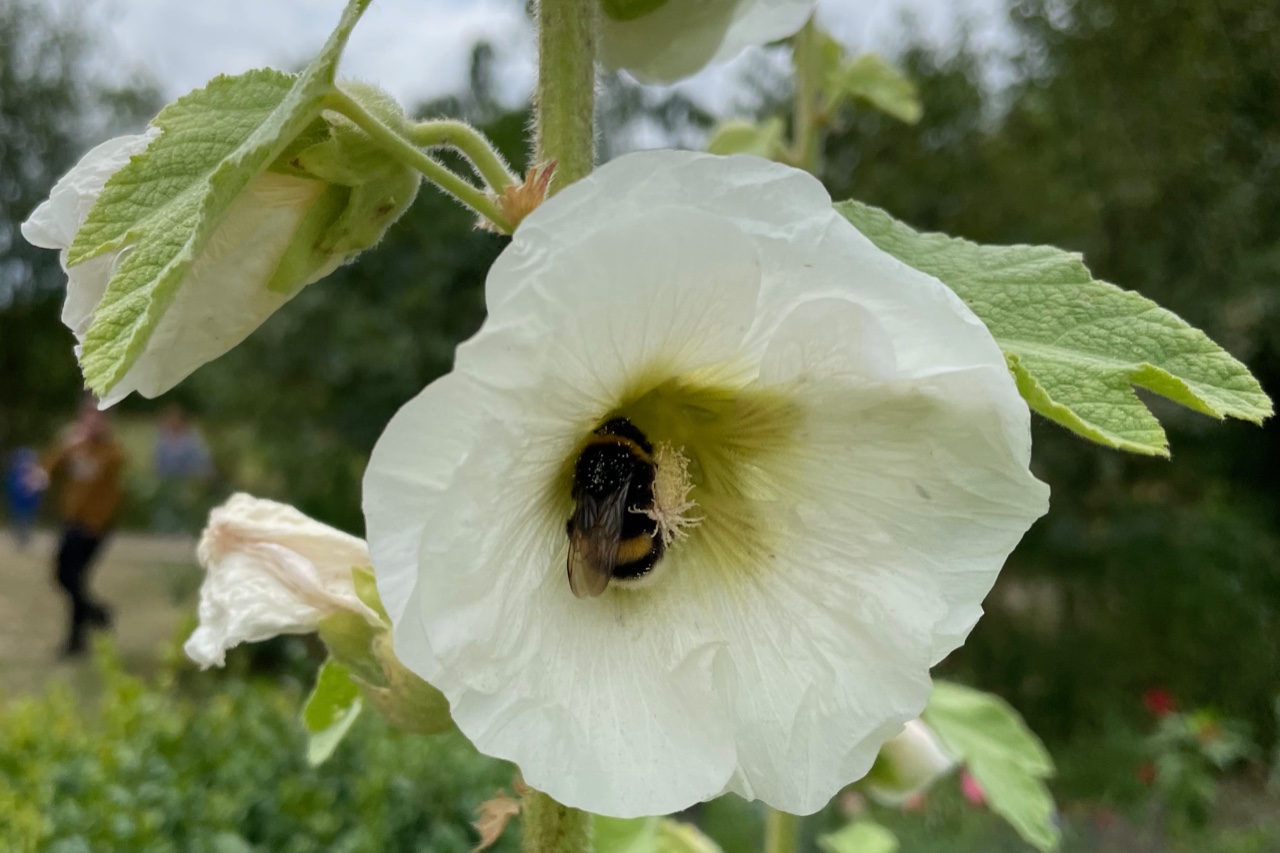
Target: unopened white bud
907	765
270	570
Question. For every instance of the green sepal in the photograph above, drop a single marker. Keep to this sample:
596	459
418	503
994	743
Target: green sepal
366	587
381	188
168	201
351	640
330	710
306	255
740	137
409	703
1008	761
860	836
1077	346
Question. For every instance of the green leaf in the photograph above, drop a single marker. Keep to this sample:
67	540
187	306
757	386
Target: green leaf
331	708
861	836
873	80
741	137
169	200
1077	346
649	835
1009	762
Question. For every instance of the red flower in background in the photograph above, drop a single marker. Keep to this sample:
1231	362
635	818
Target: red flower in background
971	789
1159	701
1147	773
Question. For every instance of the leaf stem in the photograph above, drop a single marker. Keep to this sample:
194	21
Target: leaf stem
806	61
404	151
781	832
488	163
564	108
549	827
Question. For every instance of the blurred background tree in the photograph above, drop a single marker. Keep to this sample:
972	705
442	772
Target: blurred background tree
51	110
1146	135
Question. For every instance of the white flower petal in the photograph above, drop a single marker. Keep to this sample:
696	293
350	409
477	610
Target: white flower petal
860	466
681	37
270	570
53	225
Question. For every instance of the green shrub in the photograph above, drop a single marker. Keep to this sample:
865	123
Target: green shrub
145	770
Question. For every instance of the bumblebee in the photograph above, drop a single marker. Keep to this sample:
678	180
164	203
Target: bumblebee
612	532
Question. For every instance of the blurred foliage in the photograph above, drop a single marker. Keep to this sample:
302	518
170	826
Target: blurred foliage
52	107
224	771
1145	134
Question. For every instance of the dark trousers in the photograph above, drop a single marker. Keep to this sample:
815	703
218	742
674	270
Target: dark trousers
75	558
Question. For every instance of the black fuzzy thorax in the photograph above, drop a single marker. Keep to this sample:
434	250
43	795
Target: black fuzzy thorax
619	456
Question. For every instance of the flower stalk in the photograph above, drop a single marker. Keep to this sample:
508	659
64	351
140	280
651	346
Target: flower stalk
550	827
568	32
806	60
472	143
781	832
410	155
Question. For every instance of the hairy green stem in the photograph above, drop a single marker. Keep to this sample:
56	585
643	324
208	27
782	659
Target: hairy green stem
564	109
408	154
781	832
549	827
472	143
806	60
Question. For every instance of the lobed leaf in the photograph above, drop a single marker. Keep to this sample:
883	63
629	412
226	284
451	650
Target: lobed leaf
167	203
987	735
1077	346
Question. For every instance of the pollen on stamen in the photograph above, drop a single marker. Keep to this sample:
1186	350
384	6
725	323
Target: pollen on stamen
672	506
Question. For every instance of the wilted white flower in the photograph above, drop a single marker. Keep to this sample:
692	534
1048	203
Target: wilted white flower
662	41
907	765
846	471
270	570
227	291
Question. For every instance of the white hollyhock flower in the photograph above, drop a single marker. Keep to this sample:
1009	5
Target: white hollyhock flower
225	294
846	450
270	570
907	765
662	41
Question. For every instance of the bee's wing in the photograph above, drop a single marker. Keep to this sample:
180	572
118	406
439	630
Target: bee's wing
593	541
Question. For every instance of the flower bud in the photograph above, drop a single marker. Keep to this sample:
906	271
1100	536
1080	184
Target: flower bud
662	41
331	195
271	570
906	766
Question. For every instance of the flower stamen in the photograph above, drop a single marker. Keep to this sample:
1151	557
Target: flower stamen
671	501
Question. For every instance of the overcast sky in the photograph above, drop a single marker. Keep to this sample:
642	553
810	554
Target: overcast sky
419	49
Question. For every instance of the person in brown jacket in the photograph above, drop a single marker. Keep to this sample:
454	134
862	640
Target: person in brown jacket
89	463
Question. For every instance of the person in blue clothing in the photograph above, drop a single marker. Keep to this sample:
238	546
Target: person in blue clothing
24	484
184	471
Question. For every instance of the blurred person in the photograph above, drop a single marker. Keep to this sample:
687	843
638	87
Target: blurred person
24	484
183	469
88	462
